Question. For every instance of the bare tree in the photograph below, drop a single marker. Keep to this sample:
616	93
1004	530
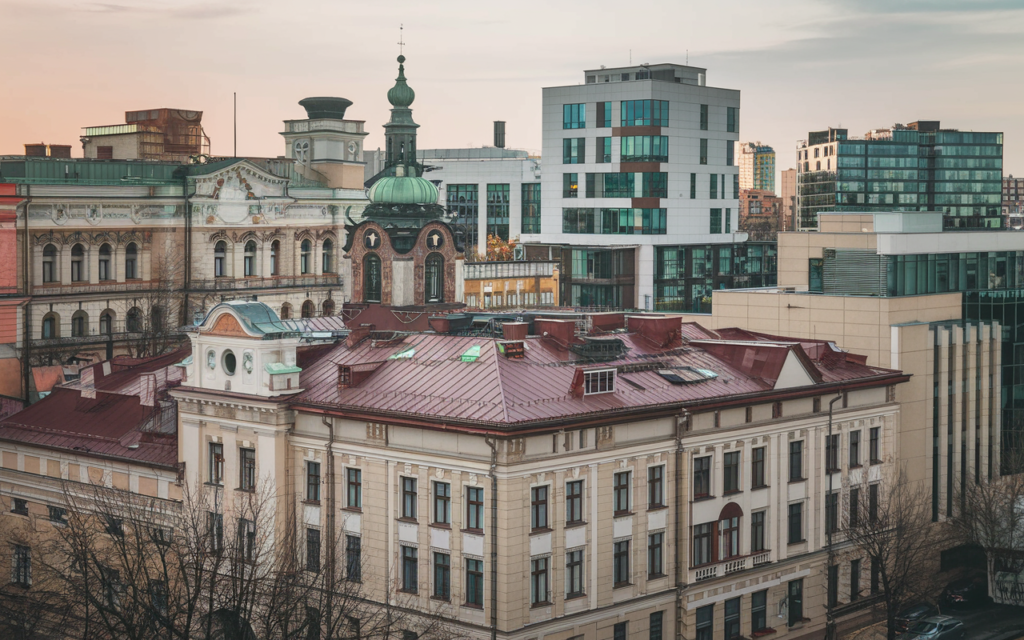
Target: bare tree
153	317
893	530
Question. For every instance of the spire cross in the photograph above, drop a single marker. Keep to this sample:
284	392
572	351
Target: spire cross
401	44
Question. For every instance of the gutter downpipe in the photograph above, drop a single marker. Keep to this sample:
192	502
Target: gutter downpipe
830	618
329	423
26	370
682	425
492	443
187	277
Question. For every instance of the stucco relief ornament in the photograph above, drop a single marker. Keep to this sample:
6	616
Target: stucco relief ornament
135	214
92	215
211	359
247	362
435	239
60	215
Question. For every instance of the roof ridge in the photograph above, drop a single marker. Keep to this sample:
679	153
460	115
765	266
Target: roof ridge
501	384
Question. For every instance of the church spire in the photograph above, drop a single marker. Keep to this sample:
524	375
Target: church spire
400	131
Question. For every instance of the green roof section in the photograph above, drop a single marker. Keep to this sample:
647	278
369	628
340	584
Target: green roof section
274	368
404	190
89	172
471	354
405	354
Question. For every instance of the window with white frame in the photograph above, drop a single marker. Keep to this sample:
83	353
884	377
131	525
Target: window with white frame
600	381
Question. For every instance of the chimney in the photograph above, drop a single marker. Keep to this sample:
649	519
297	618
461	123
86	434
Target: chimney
664	331
561	332
36	150
499	134
514	330
62	151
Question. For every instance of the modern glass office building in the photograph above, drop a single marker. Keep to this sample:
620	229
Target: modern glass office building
917	167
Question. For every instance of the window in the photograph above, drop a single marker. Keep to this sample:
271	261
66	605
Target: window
215	531
570	185
620	563
133	321
732	618
854	580
104	262
275	248
655	625
20	507
106	323
702	477
757	468
729	151
757	531
245	539
831	512
442	576
77	260
498	209
730	530
876	576
643	149
112	587
442	503
574	573
410	570
604	150
776	410
247	469
704	153
620	492
602	381
354	482
353	558
21	567
796	461
713	194
732	119
313	481
759	611
854	449
574	150
305	256
574	116
701	544
475	508
655	487
327	256
706	622
703	117
539	581
409	498
655	549
816	405
50	264
574	502
731	476
693	186
620	631
832	453
642	113
873	503
530	204
875	445
158	601
220	259
832	585
131	254
464	202
854	519
796	601
796	523
604	115
58	515
249	259
539	508
371	279
475	582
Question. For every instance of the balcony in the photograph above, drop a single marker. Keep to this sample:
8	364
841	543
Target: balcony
732	565
107	286
275	282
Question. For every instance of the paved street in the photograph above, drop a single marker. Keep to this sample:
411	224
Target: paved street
996	622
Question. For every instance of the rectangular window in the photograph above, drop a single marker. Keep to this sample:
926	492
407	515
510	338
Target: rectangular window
216	463
656	625
620	563
704	152
409	498
19	506
574	116
247	469
354	481
464	202
245	539
854	518
539	508
832	586
58	515
574	502
701	544
730	538
776	410
703	117
854	449
620	492
573	150
442	503
655	487
539	581
655	547
796	461
759	611
832	445
604	115
570	185
732	618
353	558
475	508
442	576
313	550
313	481
796	523
498	210
831	512
693	186
854	580
643	149
875	445
604	150
731	475
873	503
642	113
732	119
730	149
620	631
475	582
602	381
574	573
530	205
410	569
757	531
21	566
215	531
715	225
796	601
706	622
757	468
713	190
702	477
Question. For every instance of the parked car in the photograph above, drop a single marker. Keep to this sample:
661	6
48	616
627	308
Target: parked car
936	628
966	592
910	615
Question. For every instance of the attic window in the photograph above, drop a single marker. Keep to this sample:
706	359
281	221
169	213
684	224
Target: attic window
403	355
599	381
344	376
686	375
471	354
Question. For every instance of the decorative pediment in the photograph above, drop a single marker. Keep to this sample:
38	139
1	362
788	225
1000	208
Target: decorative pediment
240	181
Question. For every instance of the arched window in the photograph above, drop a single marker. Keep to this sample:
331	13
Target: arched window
328	257
286	311
275	248
133	321
156	318
51	325
104	263
308	309
433	278
77	264
49	263
307	249
249	260
327	309
131	258
79	324
107	322
371	278
220	252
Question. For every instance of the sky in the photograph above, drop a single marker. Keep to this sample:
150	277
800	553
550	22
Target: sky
801	65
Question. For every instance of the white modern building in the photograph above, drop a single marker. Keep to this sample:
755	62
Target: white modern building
639	158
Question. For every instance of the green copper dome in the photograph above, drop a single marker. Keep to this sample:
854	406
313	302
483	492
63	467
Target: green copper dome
403	190
401	95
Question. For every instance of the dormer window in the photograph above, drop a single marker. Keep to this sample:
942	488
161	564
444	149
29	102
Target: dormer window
598	381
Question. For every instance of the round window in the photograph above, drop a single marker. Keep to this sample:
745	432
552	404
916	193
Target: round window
229	363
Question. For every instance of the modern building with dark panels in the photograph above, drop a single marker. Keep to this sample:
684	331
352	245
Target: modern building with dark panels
914	167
